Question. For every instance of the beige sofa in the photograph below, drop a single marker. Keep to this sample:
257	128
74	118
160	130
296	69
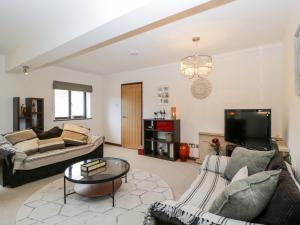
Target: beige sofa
18	169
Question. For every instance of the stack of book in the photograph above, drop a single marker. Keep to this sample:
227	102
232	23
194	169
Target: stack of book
93	167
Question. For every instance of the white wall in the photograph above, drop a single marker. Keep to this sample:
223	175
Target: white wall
250	78
291	122
39	84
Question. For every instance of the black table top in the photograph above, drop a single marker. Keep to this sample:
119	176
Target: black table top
114	169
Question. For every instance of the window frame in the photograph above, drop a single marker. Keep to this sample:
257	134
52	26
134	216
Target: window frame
70	117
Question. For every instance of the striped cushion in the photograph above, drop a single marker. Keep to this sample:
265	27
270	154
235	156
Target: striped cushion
51	144
75	135
20	136
76	128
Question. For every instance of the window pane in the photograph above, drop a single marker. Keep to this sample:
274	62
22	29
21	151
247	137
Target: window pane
61	103
77	100
88	105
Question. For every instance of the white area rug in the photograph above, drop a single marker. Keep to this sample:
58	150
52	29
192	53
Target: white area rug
132	200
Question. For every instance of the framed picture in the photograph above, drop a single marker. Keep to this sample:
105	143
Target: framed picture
163	95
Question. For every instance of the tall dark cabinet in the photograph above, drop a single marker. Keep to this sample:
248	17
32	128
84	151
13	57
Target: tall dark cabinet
32	118
162	138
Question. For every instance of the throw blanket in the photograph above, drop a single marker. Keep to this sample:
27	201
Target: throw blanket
7	149
187	215
192	207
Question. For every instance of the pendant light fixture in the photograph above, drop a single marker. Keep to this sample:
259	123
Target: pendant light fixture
196	65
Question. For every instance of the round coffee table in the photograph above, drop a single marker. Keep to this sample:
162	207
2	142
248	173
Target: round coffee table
101	182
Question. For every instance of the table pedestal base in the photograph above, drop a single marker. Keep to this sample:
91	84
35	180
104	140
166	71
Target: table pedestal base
96	190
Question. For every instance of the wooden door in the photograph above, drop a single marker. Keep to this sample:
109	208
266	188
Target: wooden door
131	115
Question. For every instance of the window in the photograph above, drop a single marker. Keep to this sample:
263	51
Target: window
61	104
72	104
77	104
88	105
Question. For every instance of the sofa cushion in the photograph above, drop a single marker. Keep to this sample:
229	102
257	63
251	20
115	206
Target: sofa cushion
51	144
256	161
52	133
20	136
54	156
246	199
241	174
277	162
75	135
29	147
205	188
76	128
284	206
292	173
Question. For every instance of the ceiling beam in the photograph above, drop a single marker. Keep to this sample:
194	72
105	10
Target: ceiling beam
149	17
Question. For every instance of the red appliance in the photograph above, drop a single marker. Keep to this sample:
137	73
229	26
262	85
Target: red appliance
164	125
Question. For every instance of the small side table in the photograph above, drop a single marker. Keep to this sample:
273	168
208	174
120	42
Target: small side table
284	150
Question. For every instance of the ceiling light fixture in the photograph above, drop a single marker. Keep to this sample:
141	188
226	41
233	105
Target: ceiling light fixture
196	65
134	53
25	70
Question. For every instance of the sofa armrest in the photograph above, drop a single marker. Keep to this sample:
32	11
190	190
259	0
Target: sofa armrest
214	163
6	156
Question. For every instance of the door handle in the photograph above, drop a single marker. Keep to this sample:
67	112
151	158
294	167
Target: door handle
124	116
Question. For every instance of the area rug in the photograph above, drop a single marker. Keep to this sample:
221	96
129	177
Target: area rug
132	200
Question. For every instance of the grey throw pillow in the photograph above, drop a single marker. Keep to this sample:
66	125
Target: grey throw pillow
245	199
256	161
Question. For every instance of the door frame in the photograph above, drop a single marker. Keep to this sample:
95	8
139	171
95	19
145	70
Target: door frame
141	83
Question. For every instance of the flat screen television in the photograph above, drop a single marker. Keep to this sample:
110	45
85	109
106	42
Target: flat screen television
249	127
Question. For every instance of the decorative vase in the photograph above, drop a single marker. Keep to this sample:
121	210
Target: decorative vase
161	151
173	113
23	110
184	151
33	108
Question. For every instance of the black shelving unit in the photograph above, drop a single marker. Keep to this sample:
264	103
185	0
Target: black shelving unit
162	141
34	116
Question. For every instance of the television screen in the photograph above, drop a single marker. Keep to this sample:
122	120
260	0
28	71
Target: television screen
249	127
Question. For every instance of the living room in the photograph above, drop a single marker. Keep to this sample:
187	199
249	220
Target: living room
252	47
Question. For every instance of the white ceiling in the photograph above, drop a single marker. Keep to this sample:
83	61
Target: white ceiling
237	25
51	21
